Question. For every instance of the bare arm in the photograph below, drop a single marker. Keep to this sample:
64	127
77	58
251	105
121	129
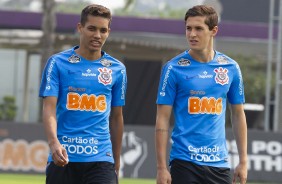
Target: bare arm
116	131
59	154
161	139
239	126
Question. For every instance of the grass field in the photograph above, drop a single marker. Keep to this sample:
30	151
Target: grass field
40	179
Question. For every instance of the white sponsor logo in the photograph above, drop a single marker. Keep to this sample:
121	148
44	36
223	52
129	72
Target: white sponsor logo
241	80
205	75
162	93
79	145
49	71
204	154
88	74
123	87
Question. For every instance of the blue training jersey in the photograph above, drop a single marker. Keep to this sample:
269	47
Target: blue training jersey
86	91
198	93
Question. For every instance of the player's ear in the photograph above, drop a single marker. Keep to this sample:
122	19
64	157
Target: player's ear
214	30
78	27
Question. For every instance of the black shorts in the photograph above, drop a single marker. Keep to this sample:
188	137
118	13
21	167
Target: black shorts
184	172
81	173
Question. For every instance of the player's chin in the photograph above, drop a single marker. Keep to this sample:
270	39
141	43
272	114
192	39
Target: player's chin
95	49
195	48
192	45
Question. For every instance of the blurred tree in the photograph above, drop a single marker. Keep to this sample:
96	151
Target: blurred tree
158	8
127	4
48	37
253	71
48	28
73	7
8	108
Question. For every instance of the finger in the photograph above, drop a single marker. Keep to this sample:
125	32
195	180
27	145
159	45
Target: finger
57	163
60	154
65	155
243	180
234	180
62	159
59	159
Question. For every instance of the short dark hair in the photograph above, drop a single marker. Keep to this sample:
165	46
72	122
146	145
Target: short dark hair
205	11
95	10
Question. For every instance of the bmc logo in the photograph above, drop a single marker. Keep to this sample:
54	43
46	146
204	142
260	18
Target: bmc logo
204	105
86	102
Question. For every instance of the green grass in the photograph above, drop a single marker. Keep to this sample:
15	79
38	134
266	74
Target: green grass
21	179
40	179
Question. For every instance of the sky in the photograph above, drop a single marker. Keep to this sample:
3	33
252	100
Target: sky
111	4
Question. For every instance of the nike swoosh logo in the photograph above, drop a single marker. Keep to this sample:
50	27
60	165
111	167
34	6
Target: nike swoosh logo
190	77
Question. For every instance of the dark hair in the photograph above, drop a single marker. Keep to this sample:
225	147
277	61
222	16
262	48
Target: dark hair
95	10
205	11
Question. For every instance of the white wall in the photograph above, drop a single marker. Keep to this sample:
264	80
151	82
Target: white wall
12	75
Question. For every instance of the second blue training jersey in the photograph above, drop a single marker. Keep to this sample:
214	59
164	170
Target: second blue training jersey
198	93
86	91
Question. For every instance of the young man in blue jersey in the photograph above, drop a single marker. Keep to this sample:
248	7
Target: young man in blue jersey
83	90
197	85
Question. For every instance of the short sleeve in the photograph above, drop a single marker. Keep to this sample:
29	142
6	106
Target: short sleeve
50	79
236	92
167	86
119	89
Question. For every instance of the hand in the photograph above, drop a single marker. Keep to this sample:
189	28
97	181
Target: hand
117	173
117	169
163	176
59	154
241	172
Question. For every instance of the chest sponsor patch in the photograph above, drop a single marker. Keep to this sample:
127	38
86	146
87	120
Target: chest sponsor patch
183	62
222	60
204	105
74	59
106	63
86	102
221	76
105	76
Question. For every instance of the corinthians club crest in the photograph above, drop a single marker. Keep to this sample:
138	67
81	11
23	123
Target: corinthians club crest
221	76
105	76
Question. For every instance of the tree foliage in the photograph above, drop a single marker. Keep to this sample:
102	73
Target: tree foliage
254	75
8	108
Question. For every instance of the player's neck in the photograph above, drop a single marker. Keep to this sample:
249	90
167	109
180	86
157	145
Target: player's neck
89	55
202	56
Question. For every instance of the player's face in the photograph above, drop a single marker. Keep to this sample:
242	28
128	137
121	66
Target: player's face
198	35
94	33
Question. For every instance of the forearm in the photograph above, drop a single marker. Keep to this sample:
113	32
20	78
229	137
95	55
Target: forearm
59	154
49	119
50	126
116	131
240	134
161	139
